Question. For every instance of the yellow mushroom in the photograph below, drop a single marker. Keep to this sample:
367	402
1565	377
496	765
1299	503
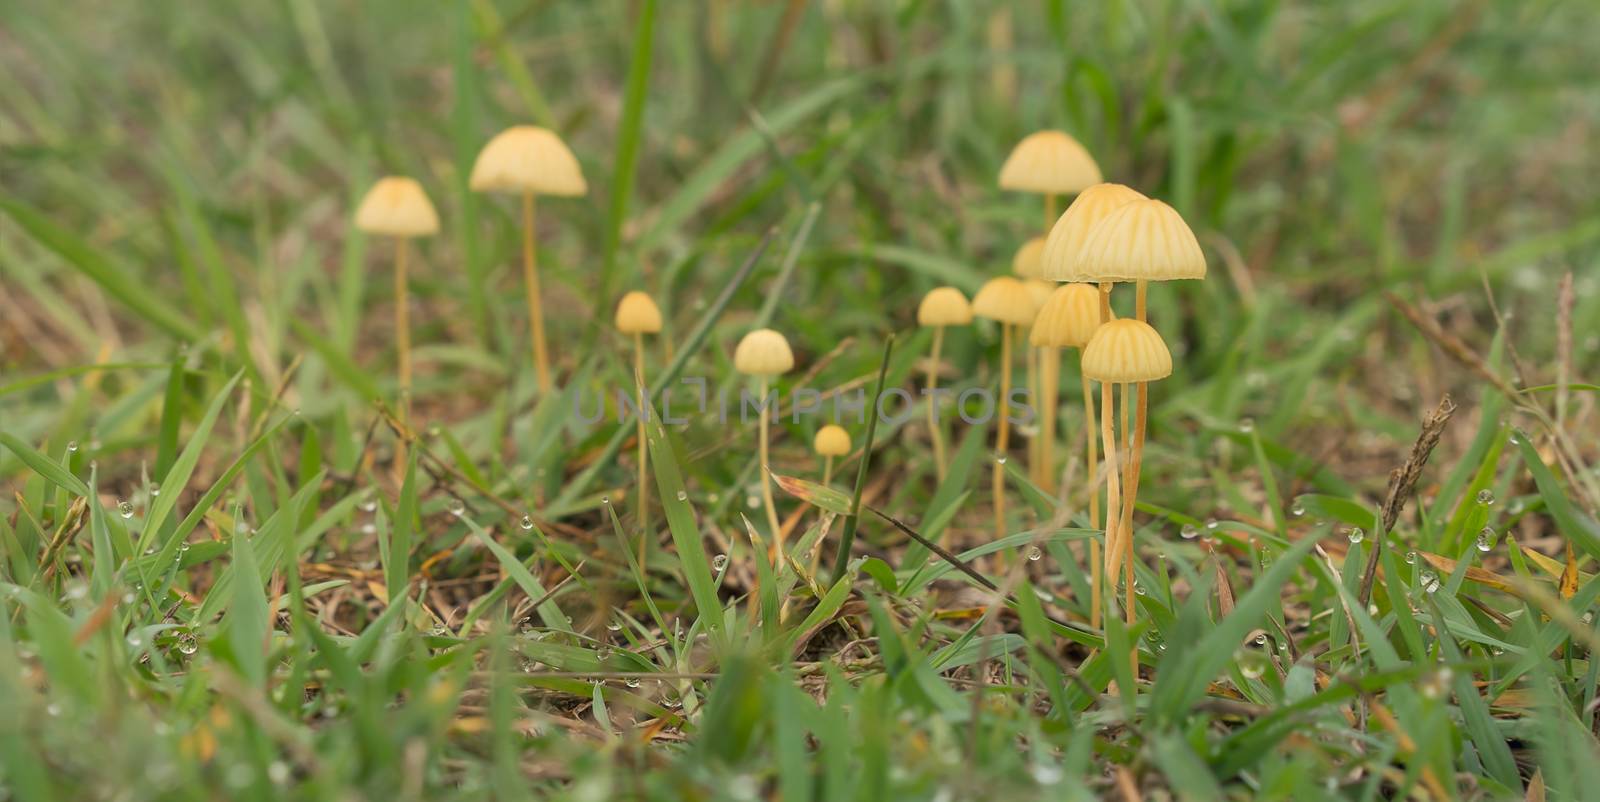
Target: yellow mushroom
397	207
528	160
831	441
941	307
638	315
1005	300
1049	163
765	353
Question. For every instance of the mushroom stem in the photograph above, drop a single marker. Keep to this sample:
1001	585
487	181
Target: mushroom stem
1002	440
1136	459
1091	479
935	431
644	453
1049	212
1049	401
766	475
1109	442
827	470
530	278
1033	358
402	326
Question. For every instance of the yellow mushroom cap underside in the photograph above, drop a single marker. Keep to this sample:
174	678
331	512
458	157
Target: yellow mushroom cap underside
1126	351
1005	299
638	314
397	207
832	441
1072	228
527	158
1051	163
1068	318
1029	259
763	352
944	306
1144	240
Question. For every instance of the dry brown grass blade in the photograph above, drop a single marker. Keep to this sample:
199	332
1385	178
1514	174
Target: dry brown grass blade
1535	787
1401	483
1569	575
1452	345
1224	588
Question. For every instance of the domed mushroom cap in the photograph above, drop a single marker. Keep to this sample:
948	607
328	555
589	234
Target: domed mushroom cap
832	441
1124	351
638	314
527	158
763	352
1143	241
1059	260
397	207
1005	299
1068	318
1039	291
1028	259
944	306
1049	162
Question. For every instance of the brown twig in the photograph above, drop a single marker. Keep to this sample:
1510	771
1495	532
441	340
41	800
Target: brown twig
1401	483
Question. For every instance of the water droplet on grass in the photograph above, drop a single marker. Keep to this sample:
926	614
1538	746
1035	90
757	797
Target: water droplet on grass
370	505
1246	426
1429	581
632	682
1485	497
1356	534
1297	510
457	507
683	495
1211	523
1034	554
1411	558
1189	532
526	523
1486	538
125	508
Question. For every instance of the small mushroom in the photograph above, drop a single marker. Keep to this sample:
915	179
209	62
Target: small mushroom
1067	235
638	315
1005	300
831	441
397	207
1124	352
941	307
528	160
765	353
1049	163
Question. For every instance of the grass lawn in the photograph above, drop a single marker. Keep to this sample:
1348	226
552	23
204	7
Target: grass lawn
259	542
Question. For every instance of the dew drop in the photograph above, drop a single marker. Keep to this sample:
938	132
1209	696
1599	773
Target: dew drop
1247	426
1138	589
155	489
632	682
1000	459
605	500
1261	640
719	562
1429	581
125	508
1211	523
1034	554
526	523
1297	510
1411	558
1514	439
613	626
1486	539
1485	497
188	644
135	640
603	653
683	495
370	505
457	507
1189	532
72	445
369	528
1515	507
1356	534
53	709
752	501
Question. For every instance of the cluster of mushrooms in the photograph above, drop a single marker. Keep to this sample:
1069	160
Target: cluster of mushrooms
1109	234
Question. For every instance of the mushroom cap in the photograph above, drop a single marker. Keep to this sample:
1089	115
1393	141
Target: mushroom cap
1145	240
1050	163
396	206
1068	319
1039	291
832	441
638	314
944	306
763	352
1125	351
1059	260
1005	299
527	158
1027	262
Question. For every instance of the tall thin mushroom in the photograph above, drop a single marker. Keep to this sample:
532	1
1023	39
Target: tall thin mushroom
831	441
638	315
1059	263
1049	163
1124	352
1005	300
765	353
527	160
398	208
1026	266
1141	241
941	307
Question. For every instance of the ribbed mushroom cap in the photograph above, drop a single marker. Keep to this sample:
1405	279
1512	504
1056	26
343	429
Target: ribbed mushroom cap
1049	162
1005	299
1039	291
1125	351
527	158
1068	318
1059	260
638	314
944	306
397	207
832	441
763	352
1143	241
1029	259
